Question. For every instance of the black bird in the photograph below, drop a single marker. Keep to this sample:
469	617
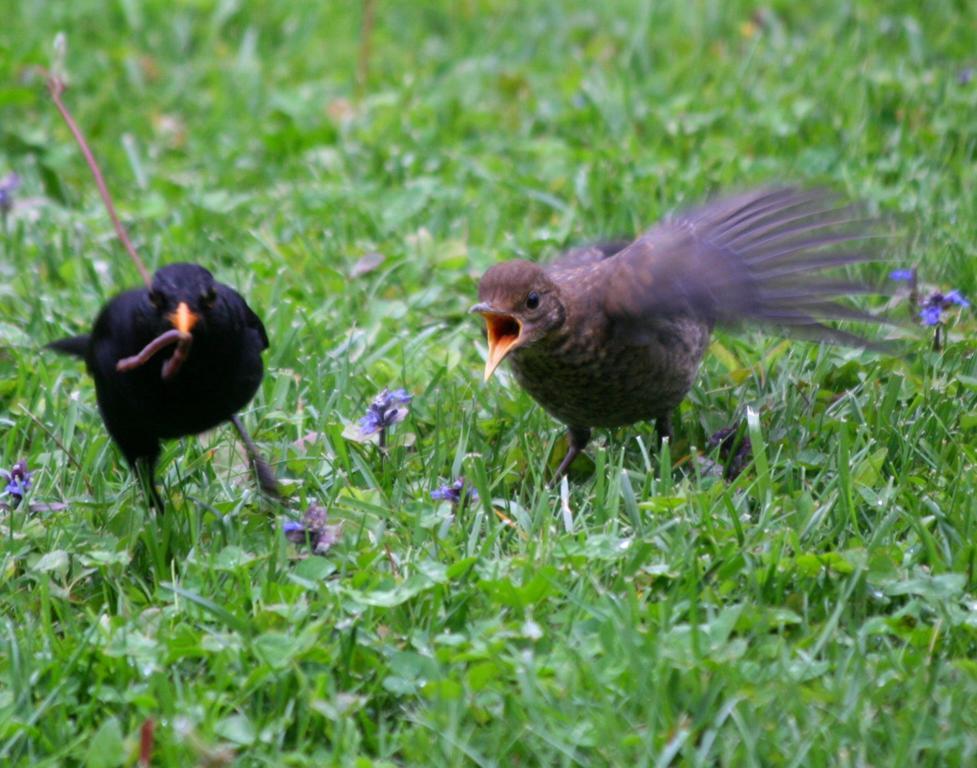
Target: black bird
604	337
213	370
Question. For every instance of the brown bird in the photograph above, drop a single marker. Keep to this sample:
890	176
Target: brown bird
607	336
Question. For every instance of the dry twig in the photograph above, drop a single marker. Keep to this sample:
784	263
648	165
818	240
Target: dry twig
56	87
366	43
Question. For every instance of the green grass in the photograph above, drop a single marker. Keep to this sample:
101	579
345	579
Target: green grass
817	611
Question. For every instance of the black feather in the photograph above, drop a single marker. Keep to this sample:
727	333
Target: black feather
221	373
71	345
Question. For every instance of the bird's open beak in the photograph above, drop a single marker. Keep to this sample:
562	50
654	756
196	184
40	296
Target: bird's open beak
183	319
504	333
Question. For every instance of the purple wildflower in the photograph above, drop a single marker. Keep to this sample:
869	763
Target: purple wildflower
931	315
903	275
8	185
313	529
387	409
294	530
455	492
932	309
18	481
955	297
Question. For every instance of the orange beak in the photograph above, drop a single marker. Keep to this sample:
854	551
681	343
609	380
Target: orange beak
183	319
504	332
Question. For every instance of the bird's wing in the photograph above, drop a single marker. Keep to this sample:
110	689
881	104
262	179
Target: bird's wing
246	315
255	323
759	256
585	255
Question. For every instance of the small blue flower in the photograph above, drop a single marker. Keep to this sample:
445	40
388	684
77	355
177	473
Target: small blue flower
903	275
455	492
955	297
293	528
931	314
387	409
8	185
932	309
18	481
313	529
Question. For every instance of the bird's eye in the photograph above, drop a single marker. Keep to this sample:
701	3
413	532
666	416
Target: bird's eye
208	298
532	300
156	299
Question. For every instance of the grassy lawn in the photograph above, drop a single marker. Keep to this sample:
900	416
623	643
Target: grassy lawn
818	610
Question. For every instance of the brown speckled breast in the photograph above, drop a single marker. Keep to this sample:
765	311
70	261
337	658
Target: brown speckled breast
587	376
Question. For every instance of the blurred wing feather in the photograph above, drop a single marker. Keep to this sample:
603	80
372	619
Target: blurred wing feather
755	257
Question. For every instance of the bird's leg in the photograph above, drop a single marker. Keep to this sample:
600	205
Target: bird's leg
264	473
157	499
578	441
144	467
663	428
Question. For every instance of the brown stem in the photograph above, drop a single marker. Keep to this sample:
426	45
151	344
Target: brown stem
56	87
167	339
391	560
366	38
264	473
146	743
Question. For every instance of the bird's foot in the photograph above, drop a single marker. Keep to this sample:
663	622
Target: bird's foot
578	441
571	454
145	467
262	470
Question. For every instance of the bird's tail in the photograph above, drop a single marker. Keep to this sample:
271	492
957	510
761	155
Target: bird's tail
71	345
